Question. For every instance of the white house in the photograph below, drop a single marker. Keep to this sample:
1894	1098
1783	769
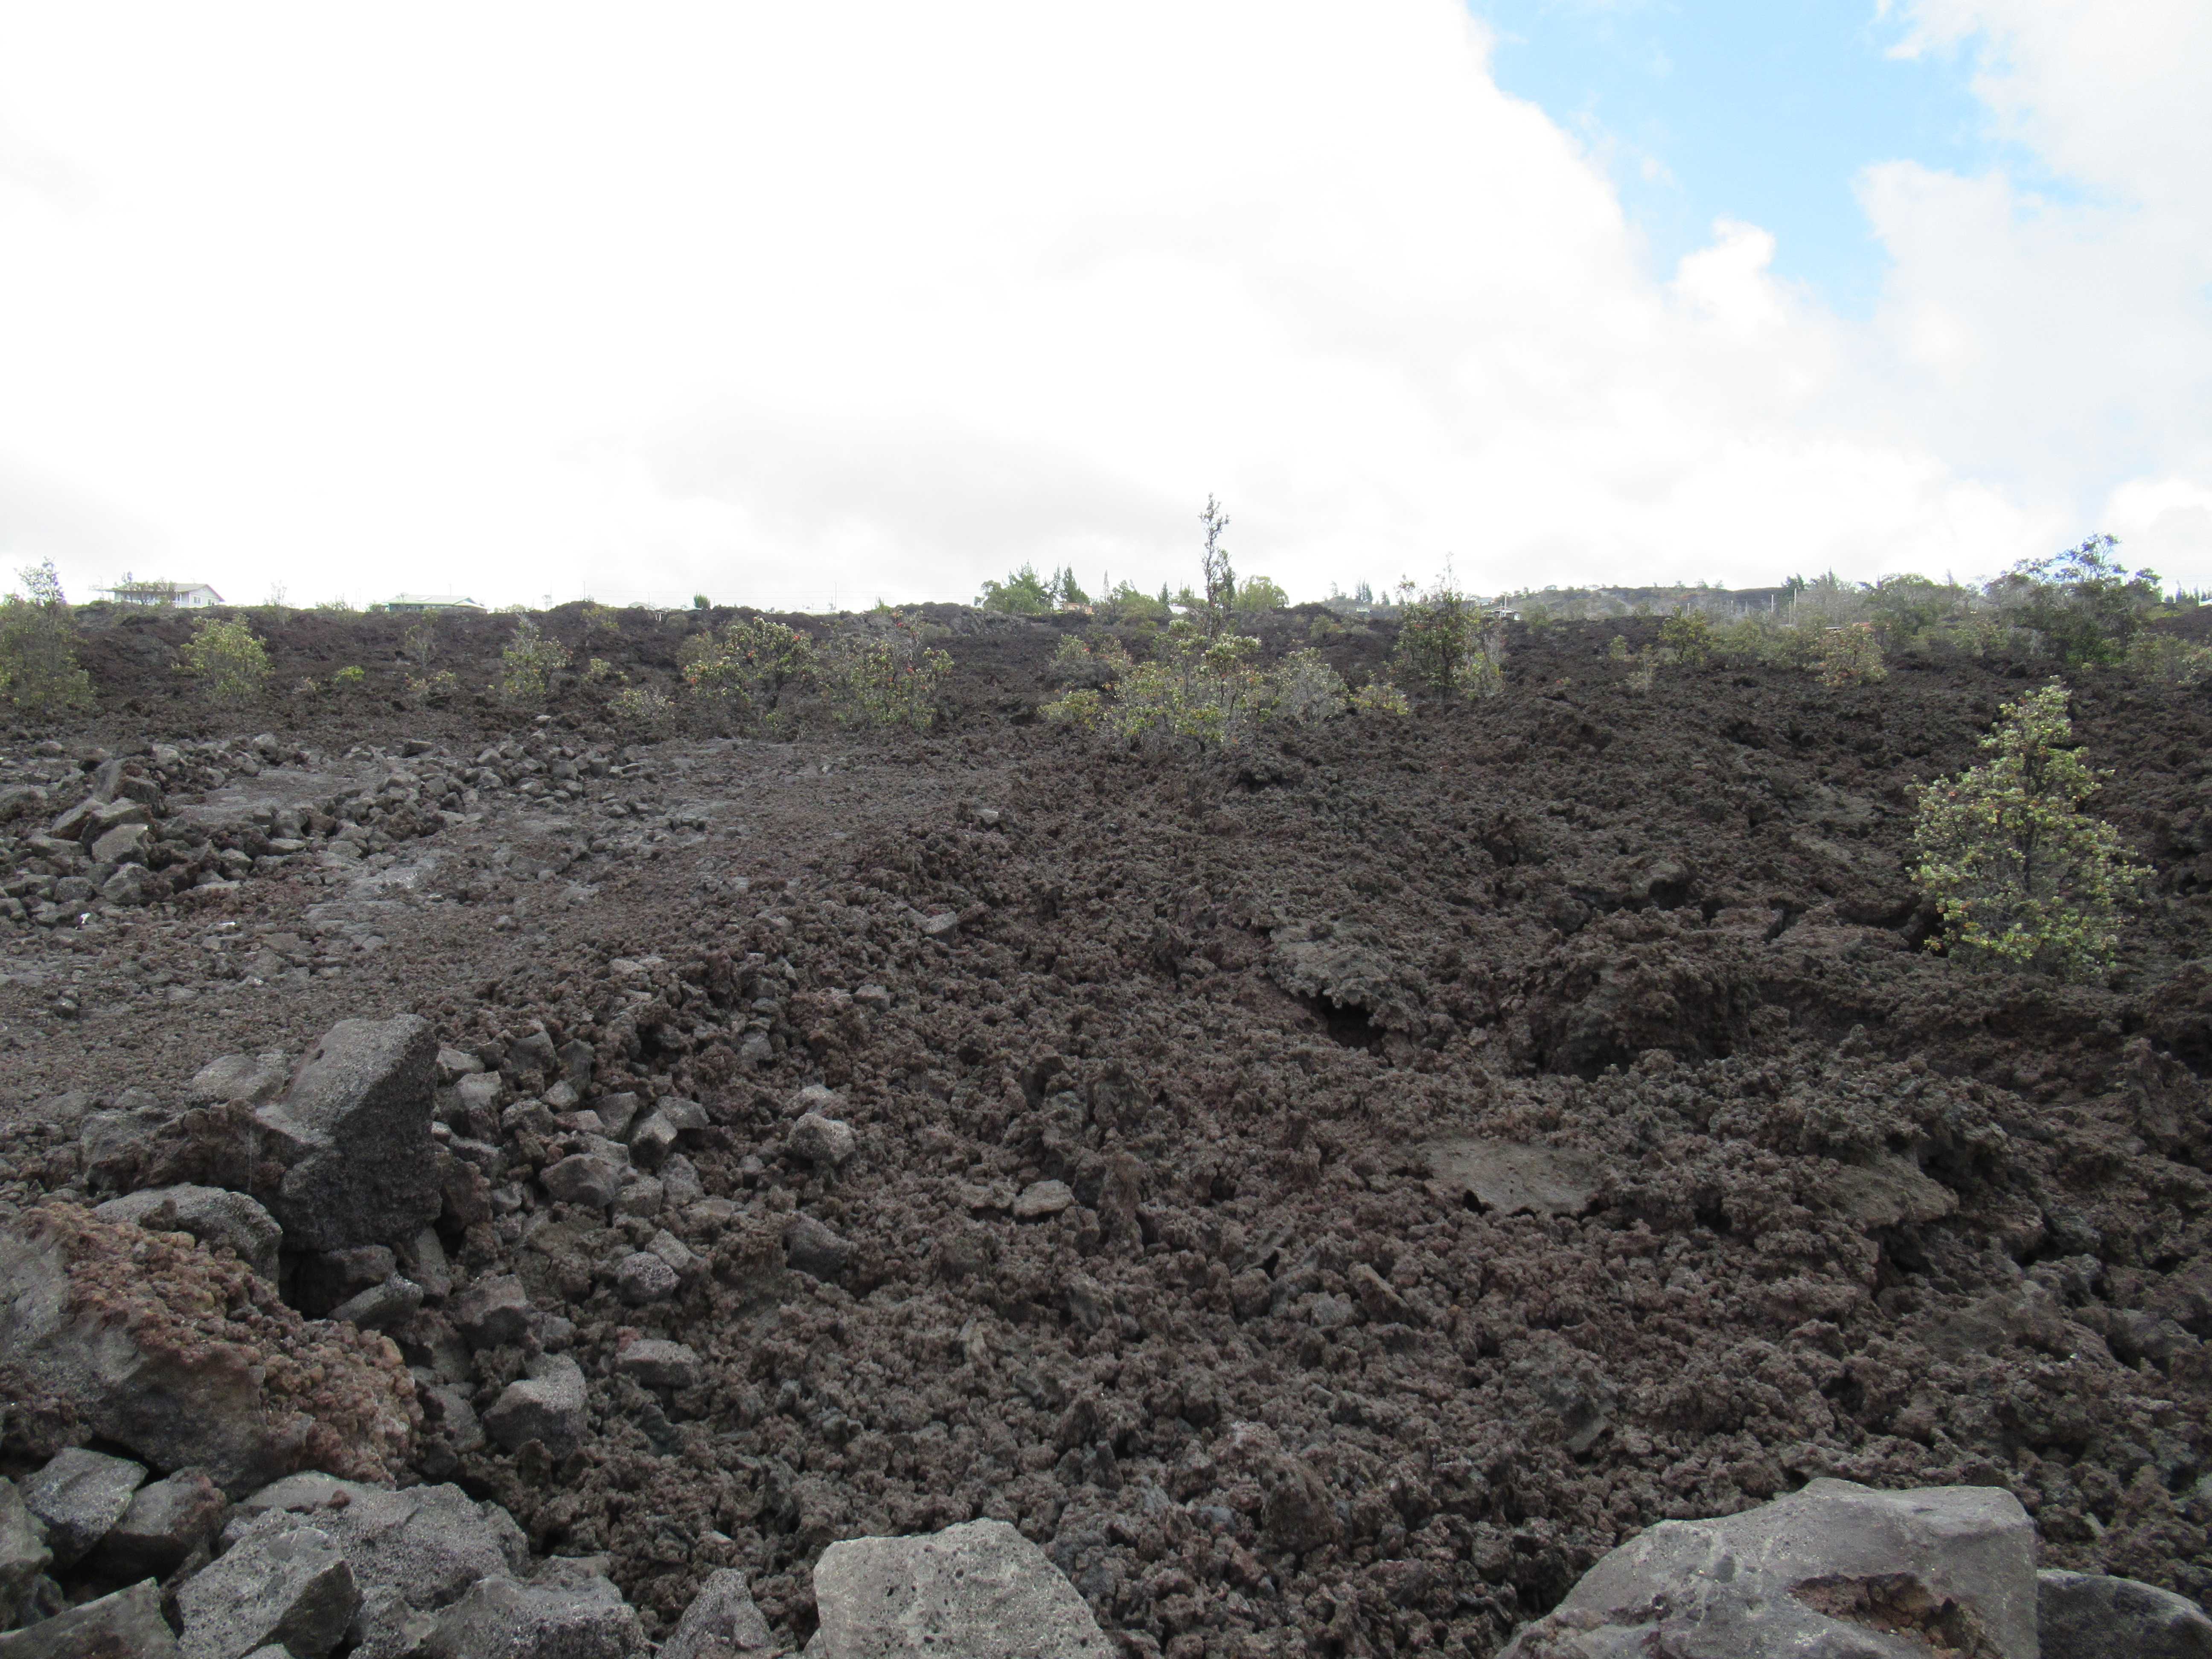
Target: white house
174	596
418	602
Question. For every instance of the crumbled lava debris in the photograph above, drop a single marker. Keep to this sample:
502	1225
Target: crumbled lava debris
1326	1197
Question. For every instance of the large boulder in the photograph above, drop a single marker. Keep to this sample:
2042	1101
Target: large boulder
548	1405
1836	1569
166	1522
979	1590
281	1584
187	1359
353	1133
209	1214
411	1551
78	1496
566	1612
2083	1615
127	1624
721	1623
23	1553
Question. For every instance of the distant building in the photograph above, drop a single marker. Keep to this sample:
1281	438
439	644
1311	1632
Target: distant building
172	596
419	602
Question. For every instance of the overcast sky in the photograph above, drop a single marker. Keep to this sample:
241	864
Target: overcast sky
810	304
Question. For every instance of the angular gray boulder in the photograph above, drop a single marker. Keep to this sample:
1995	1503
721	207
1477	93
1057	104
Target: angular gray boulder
167	1520
127	1624
23	1553
655	1362
211	1215
78	1496
423	1546
547	1405
979	1590
567	1612
2083	1615
279	1582
1836	1569
353	1133
720	1622
494	1312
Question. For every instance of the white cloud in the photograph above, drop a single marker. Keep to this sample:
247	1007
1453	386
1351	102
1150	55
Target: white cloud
802	302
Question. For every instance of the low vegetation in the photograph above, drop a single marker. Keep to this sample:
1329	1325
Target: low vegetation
229	660
2022	877
39	671
1445	645
884	675
744	669
528	664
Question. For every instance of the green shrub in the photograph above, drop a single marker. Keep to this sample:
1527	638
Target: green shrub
433	690
1024	593
1260	593
1079	710
699	602
527	665
645	707
1910	613
1382	698
2082	604
1127	603
1098	662
1198	690
1305	690
597	670
228	658
1688	635
2023	878
885	678
1211	609
1850	655
39	671
420	643
2169	659
349	678
1765	638
1443	645
746	667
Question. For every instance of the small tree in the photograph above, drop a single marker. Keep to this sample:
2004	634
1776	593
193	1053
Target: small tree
1261	593
228	658
1442	644
1201	691
1218	576
888	677
1099	662
1380	698
2083	603
1689	635
1306	690
38	672
1024	593
646	707
2023	879
527	663
1066	592
1850	655
746	666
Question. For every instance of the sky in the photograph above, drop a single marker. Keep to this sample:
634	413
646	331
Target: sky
807	307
